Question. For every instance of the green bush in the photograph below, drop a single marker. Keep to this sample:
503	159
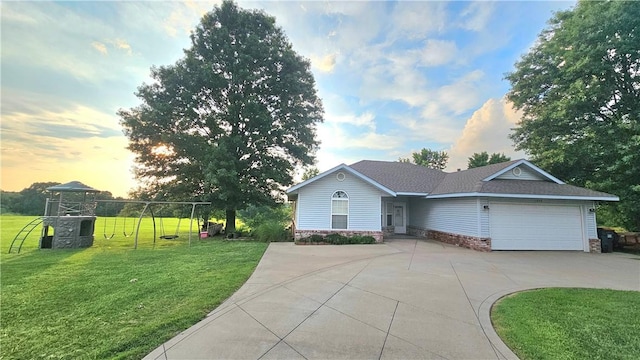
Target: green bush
362	239
253	216
337	239
271	231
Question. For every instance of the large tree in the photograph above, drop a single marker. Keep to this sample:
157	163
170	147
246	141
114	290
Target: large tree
230	121
483	159
579	90
428	158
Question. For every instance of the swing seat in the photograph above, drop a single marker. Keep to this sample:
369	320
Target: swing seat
169	237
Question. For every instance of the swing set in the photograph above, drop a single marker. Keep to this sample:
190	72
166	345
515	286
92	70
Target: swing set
113	228
148	205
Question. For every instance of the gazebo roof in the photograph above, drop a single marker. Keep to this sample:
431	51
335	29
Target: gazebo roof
73	186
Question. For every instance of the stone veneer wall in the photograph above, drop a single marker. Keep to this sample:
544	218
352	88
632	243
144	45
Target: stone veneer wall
595	246
299	234
69	232
471	242
419	232
388	230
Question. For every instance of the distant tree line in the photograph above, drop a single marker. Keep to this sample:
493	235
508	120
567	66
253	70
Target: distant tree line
31	201
438	159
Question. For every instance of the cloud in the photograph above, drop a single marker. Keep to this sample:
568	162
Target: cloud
418	19
441	130
102	48
101	162
463	94
333	133
325	63
438	52
487	130
365	120
477	15
77	143
121	45
184	16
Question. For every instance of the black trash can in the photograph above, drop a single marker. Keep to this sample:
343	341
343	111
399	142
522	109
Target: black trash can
608	238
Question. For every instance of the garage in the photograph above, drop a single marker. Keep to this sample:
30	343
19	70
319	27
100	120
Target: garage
535	227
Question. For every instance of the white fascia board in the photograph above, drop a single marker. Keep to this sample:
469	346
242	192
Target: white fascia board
530	165
347	169
313	179
525	196
411	194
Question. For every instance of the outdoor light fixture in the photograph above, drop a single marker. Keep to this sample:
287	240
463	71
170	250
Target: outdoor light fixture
592	210
486	207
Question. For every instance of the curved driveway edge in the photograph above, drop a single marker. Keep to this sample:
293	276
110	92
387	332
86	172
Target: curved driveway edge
407	298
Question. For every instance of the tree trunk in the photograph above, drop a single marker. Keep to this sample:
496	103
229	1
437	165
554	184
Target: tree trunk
230	224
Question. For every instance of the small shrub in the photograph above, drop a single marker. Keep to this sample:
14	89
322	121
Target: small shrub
362	239
336	239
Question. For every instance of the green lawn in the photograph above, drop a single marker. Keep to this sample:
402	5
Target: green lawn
570	323
110	301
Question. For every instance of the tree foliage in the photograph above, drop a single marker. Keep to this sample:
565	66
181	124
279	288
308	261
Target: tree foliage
578	88
230	121
310	172
28	201
428	158
483	159
31	200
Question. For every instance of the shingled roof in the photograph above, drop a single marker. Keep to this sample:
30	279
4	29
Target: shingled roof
526	187
72	186
399	176
467	181
410	179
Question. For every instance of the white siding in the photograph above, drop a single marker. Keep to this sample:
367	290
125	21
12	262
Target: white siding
456	216
418	214
526	174
590	221
484	218
314	204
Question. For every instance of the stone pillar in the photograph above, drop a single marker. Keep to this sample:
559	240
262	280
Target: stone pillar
595	246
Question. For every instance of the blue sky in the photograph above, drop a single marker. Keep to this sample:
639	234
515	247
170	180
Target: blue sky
394	77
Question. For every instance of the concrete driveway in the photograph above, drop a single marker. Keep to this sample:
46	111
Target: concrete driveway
405	299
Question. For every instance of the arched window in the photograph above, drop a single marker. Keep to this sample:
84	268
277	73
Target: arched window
339	210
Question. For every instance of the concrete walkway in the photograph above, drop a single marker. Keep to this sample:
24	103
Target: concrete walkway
405	299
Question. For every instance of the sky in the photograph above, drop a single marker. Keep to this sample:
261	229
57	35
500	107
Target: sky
394	77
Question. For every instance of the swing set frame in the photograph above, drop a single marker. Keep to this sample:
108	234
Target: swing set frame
148	205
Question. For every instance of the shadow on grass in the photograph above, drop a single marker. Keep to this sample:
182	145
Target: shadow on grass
18	268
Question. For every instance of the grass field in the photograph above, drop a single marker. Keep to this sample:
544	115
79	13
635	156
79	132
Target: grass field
568	323
110	301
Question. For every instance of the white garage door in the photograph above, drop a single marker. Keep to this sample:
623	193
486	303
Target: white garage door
535	227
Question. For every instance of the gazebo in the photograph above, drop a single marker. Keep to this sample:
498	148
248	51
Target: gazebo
69	216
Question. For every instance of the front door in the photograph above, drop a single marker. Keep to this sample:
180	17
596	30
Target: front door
400	218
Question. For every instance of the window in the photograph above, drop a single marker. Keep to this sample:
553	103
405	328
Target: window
339	210
389	214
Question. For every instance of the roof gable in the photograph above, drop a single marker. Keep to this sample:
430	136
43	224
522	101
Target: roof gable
522	163
521	173
345	168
